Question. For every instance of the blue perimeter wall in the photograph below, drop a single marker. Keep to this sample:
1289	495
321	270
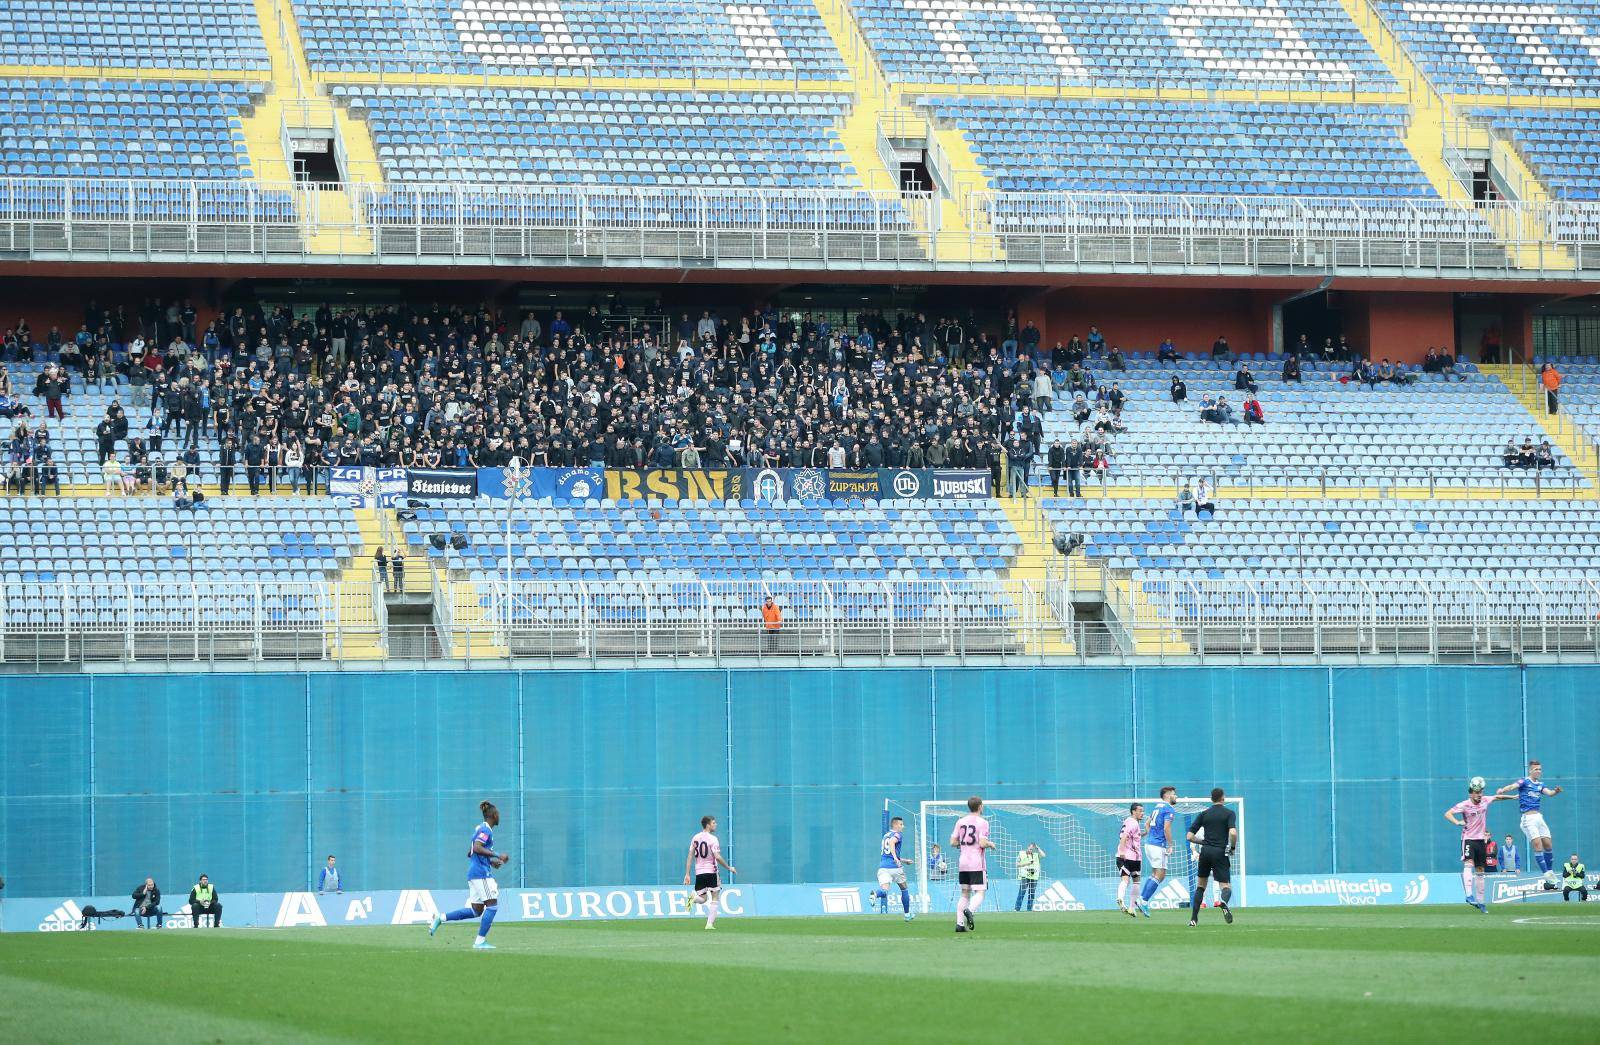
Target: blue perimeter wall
602	776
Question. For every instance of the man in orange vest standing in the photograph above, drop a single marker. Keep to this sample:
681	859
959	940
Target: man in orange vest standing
1550	377
771	620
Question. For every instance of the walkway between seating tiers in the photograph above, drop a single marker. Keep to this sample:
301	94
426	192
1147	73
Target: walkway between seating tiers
1523	381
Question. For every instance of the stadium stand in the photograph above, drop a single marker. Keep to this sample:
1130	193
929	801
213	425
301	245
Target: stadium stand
607	138
1301	557
640	543
1138	145
1325	426
1562	146
1306	44
124	128
1480	48
133	34
780	40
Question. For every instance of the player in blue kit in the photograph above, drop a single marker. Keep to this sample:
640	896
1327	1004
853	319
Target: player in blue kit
483	894
1158	846
891	868
1531	793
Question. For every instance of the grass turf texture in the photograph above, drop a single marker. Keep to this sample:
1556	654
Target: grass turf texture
1328	974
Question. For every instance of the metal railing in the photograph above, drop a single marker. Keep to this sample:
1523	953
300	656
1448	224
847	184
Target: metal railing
92	219
1087	614
1368	482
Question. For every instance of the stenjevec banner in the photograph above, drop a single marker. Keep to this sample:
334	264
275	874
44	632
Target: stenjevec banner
442	483
417	906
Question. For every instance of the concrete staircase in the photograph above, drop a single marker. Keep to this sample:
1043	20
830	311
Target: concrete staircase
1523	382
878	111
295	102
357	636
1432	117
1032	565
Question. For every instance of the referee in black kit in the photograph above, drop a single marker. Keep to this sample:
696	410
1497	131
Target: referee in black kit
1216	831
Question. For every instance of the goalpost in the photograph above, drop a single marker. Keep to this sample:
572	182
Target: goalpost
1077	839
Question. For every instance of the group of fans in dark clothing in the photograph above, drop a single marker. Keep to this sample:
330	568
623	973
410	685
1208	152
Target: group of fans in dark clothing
281	394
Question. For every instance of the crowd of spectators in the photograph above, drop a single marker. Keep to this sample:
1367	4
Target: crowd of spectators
268	396
279	394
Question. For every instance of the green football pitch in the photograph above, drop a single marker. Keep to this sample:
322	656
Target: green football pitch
1525	972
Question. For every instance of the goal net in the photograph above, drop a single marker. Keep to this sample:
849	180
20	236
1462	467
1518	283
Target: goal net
1077	840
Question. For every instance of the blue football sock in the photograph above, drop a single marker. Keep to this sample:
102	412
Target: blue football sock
1546	859
486	921
1149	889
461	914
905	902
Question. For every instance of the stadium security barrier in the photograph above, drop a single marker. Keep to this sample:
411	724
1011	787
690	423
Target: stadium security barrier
386	768
654	226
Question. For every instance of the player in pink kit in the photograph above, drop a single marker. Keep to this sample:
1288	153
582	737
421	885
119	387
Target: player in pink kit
1474	823
971	836
1128	865
705	853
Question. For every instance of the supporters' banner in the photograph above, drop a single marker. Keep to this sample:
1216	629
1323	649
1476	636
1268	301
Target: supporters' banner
367	487
603	903
442	483
971	486
796	484
569	484
664	484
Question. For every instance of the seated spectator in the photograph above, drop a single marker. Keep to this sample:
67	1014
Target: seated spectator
1527	455
1114	360
1224	411
1186	499
1302	348
1080	409
1244	380
1545	456
1208	409
1180	390
147	904
1167	352
1106	424
1095	342
1329	351
1430	361
205	900
1386	371
1220	349
111	472
1344	349
1509	455
1291	369
1079	379
1447	365
1253	414
1363	373
1202	497
1116	398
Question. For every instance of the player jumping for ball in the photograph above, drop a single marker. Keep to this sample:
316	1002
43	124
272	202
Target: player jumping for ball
1471	814
1531	793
